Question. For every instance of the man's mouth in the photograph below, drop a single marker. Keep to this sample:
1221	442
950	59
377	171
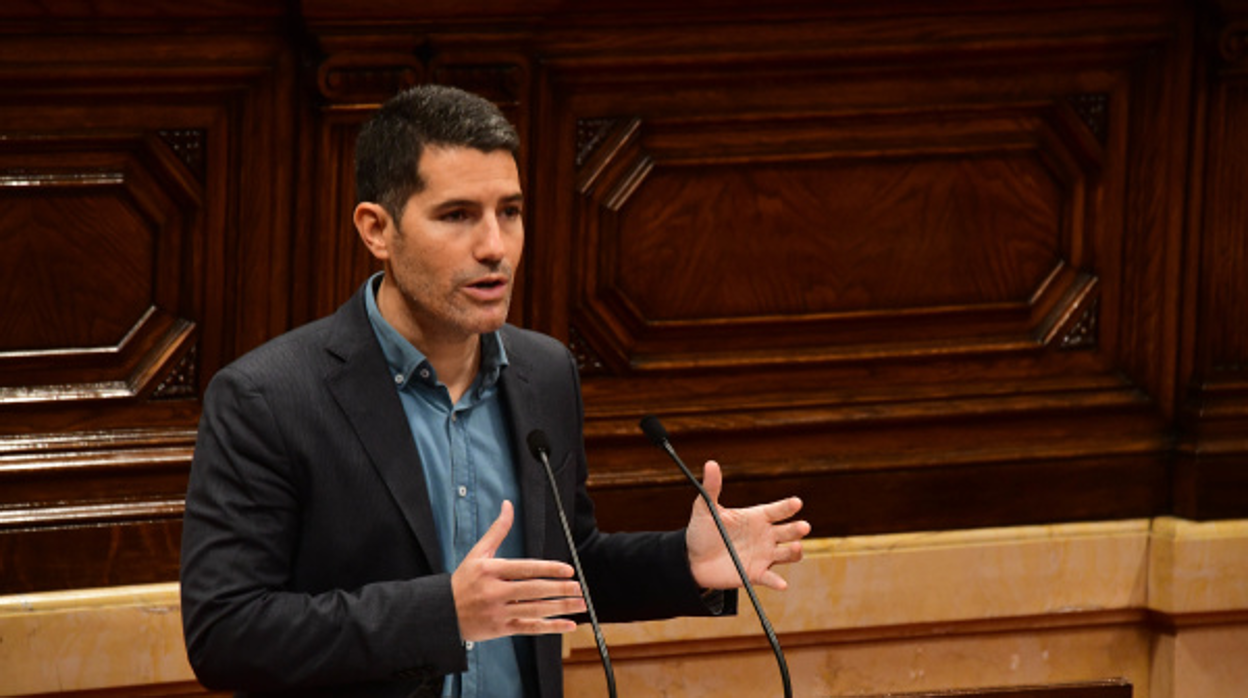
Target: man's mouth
489	288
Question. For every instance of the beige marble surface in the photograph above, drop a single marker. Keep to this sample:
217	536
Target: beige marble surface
899	665
1211	661
91	638
1000	607
1198	567
923	578
865	615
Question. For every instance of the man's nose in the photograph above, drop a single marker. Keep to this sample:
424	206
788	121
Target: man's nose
490	239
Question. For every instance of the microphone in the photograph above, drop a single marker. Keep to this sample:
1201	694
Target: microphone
539	446
653	428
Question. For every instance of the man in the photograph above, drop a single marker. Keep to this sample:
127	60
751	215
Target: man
363	518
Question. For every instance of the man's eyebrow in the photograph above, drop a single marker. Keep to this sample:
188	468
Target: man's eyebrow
518	197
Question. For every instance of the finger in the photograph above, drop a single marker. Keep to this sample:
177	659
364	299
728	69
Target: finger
712	480
786	554
531	569
794	531
551	626
782	509
488	544
541	590
771	580
544	610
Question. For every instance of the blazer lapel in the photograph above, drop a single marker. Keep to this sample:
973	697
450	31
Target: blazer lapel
361	385
522	411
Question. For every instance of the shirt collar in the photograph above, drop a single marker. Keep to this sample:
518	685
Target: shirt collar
408	363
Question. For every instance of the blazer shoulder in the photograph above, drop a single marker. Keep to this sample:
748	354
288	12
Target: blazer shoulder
533	344
308	350
290	352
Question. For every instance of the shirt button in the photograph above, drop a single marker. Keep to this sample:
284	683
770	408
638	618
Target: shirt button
398	378
424	373
469	645
463	491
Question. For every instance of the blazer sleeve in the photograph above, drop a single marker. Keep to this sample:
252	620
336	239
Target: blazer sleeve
247	627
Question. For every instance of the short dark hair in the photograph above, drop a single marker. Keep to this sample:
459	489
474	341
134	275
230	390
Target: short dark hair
388	149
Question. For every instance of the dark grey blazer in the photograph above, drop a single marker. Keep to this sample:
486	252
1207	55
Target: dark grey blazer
310	562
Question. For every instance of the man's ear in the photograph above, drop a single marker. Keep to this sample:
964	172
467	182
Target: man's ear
371	221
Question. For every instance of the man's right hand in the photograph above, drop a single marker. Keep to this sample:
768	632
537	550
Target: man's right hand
496	597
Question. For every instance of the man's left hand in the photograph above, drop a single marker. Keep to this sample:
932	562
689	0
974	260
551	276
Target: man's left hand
758	533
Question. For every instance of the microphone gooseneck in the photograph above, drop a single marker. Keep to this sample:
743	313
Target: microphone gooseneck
539	446
653	428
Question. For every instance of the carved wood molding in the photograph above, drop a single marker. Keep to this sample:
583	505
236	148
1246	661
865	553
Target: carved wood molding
587	361
1083	333
136	363
589	133
183	381
1093	109
189	145
1233	42
81	466
616	164
367	76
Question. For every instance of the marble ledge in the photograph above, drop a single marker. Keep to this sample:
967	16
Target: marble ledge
1197	568
94	638
1166	565
91	638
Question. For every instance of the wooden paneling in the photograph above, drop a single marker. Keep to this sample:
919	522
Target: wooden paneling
1211	478
930	265
145	198
894	263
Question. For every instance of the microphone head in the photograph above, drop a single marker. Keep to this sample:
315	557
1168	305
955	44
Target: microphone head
539	445
653	428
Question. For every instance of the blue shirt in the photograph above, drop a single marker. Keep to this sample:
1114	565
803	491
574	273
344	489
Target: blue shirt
469	470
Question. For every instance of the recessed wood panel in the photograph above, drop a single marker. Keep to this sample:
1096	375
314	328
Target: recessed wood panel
96	230
766	240
799	230
718	240
98	250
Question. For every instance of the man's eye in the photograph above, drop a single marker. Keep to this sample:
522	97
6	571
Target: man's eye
513	212
455	216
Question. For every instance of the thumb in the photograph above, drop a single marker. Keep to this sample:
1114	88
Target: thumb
712	480
488	544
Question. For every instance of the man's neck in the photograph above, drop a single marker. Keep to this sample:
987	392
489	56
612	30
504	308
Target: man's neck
456	365
456	359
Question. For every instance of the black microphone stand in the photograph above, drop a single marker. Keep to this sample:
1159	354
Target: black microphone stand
653	428
539	446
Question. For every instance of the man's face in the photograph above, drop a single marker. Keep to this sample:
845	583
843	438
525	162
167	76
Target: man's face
454	255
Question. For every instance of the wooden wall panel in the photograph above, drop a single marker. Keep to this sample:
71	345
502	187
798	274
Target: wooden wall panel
145	200
929	265
904	259
1211	478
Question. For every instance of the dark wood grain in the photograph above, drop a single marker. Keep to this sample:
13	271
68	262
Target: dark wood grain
935	265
